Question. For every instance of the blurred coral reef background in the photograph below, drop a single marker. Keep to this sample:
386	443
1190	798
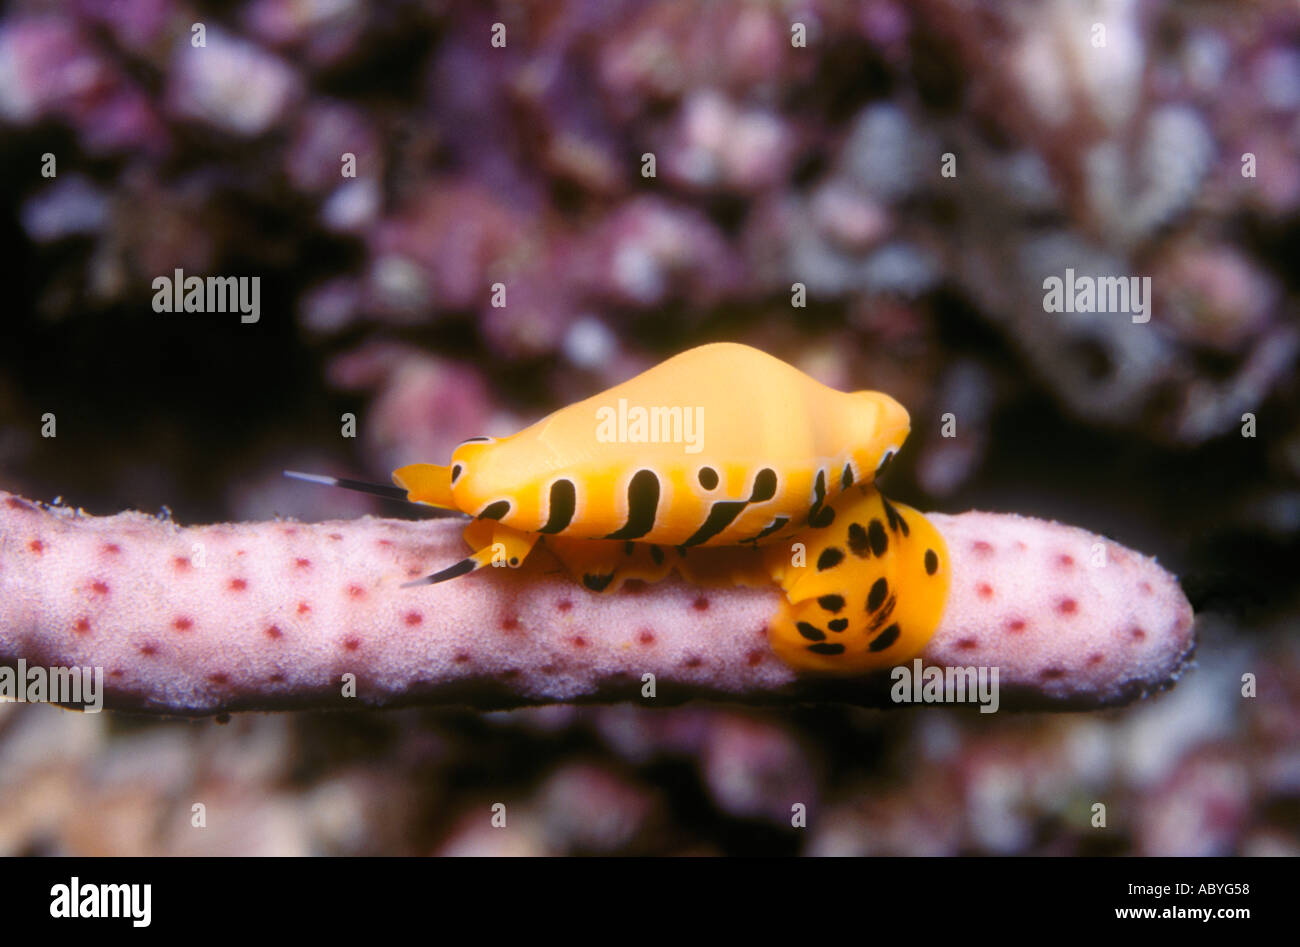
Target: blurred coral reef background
775	164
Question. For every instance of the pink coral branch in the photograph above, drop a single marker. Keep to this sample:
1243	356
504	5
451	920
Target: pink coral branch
271	616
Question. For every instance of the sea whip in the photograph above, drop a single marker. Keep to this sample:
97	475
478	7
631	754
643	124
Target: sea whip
281	615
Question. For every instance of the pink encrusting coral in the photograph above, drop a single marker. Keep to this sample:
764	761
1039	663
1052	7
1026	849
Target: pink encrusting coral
273	615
